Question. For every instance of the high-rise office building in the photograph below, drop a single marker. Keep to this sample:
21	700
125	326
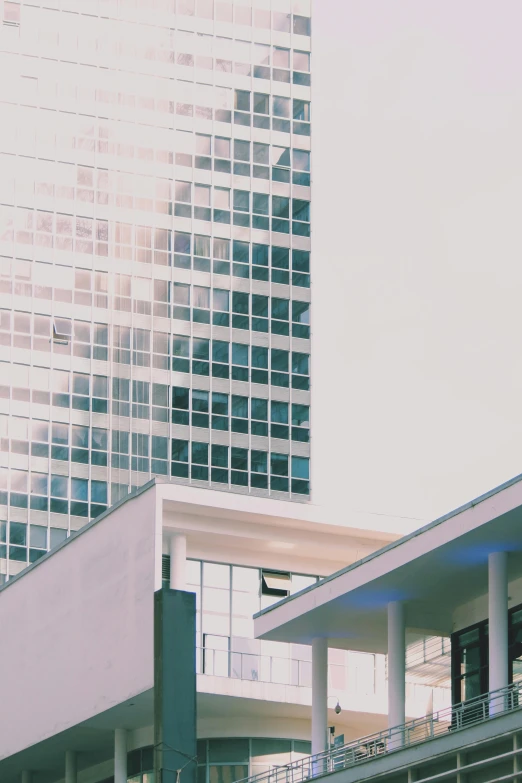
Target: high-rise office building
154	255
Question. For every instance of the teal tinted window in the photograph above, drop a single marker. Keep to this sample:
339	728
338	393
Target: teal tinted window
228	750
240	354
200	453
180	450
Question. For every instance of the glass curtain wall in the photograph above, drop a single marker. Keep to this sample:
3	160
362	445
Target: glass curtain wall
470	657
155	222
229	760
227	597
225	760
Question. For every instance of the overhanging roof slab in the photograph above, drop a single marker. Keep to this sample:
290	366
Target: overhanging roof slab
434	571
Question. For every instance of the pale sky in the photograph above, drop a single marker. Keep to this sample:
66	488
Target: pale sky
417	266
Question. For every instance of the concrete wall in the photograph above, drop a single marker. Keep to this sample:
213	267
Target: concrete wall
77	629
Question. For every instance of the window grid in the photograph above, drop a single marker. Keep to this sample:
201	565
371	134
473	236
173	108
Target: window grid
108	426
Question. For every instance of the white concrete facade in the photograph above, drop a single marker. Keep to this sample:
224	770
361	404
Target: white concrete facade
472	557
81	610
97	634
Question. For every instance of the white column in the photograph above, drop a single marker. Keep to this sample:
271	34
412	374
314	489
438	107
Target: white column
498	626
178	558
120	756
26	776
70	766
319	694
396	670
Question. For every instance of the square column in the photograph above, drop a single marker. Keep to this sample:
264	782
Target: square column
175	687
120	756
178	560
396	671
498	627
319	694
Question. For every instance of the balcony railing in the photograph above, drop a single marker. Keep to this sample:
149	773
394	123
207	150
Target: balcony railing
279	670
428	661
451	719
256	668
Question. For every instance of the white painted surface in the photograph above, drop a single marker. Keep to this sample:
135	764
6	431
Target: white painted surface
235	506
396	668
275	693
498	625
230	528
282	728
319	694
178	561
77	629
120	756
413	564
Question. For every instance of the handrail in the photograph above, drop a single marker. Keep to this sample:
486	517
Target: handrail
428	661
428	649
450	719
273	669
277	669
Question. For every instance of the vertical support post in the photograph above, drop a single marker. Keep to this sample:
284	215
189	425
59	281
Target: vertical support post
396	672
517	761
27	776
319	694
120	756
174	686
498	628
71	770
461	759
178	560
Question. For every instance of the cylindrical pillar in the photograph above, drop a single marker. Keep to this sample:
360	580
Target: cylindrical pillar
120	756
498	626
26	776
396	670
70	766
319	694
178	559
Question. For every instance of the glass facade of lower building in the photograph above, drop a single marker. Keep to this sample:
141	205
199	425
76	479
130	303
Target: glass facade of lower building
227	597
140	765
227	760
224	760
154	255
470	657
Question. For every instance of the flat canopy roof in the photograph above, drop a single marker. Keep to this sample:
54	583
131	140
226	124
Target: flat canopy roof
434	570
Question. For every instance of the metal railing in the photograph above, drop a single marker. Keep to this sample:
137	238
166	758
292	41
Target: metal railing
277	670
460	716
428	661
256	668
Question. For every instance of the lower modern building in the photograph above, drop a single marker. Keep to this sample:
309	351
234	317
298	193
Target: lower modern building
77	652
460	576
